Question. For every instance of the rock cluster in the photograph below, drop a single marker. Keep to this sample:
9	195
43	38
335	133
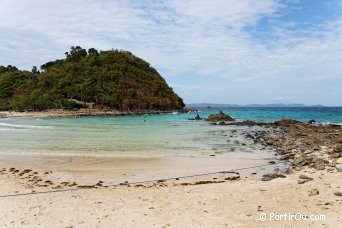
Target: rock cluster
303	144
219	117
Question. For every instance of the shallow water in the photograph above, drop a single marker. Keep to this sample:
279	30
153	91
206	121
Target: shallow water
144	135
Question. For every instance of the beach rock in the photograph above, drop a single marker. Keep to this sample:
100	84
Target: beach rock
300	143
338	149
286	122
86	186
49	182
313	192
311	121
301	181
288	170
338	193
271	176
259	209
300	159
304	177
219	117
248	123
319	164
231	178
339	168
287	157
205	182
335	155
308	152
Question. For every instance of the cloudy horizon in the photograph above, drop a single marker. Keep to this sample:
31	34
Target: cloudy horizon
222	51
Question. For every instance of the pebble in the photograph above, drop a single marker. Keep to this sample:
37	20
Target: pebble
313	192
301	181
338	193
304	177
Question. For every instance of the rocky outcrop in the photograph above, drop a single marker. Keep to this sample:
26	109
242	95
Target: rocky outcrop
302	144
219	117
286	122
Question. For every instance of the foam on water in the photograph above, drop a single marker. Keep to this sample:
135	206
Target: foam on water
11	126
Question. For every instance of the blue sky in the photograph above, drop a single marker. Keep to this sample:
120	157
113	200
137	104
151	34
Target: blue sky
219	51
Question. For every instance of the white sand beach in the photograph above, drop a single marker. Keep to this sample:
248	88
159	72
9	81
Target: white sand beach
196	202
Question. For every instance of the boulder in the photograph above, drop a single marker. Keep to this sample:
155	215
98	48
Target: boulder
219	117
311	121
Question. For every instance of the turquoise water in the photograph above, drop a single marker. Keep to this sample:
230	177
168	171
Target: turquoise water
320	114
145	135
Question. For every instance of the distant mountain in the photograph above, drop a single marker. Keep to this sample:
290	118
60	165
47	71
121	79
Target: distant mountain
201	105
112	79
281	105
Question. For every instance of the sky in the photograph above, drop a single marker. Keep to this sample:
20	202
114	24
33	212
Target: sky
217	51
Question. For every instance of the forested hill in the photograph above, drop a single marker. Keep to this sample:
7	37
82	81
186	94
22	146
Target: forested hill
110	79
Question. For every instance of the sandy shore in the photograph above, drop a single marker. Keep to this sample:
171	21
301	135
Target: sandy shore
81	112
118	192
177	203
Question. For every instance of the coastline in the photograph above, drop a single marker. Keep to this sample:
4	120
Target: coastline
84	112
90	192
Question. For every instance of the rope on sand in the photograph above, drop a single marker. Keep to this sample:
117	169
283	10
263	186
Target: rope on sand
142	182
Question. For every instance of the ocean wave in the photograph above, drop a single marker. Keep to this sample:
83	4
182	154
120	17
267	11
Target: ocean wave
18	126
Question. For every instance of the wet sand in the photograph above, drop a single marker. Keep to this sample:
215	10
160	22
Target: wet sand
115	170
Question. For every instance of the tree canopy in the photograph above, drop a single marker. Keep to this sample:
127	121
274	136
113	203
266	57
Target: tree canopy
111	79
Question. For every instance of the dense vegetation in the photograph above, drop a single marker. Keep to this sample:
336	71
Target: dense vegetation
110	79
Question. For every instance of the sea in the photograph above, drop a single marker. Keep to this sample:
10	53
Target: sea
170	134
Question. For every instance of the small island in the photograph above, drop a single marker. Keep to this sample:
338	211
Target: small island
98	82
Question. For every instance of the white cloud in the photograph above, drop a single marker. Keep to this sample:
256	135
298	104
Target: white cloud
192	43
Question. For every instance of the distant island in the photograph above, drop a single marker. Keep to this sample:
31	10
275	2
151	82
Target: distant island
203	105
113	79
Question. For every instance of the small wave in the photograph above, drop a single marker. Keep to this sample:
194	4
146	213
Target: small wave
12	129
23	126
327	123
